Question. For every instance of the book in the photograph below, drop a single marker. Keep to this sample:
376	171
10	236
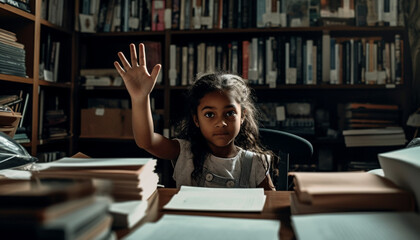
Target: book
132	178
350	191
402	167
126	214
87	222
217	199
366	225
43	193
185	227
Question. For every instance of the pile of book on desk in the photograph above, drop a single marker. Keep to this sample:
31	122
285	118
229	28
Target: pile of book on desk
357	205
132	180
347	191
53	209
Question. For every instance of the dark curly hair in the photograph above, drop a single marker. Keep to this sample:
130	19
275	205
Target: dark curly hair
248	137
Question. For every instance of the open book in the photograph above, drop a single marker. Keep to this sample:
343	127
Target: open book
348	191
218	199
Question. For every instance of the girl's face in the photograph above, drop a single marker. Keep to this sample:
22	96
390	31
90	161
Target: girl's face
219	118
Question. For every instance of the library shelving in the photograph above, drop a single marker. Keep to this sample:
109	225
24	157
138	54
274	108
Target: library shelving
47	34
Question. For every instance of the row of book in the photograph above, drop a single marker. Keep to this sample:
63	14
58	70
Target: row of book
53	120
54	12
12	59
50	60
21	4
157	15
282	60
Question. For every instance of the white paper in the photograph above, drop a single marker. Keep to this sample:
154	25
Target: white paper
96	162
218	199
349	226
207	228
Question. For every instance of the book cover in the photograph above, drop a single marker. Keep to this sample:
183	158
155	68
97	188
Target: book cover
351	190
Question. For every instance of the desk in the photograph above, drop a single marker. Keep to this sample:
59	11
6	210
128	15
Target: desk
277	206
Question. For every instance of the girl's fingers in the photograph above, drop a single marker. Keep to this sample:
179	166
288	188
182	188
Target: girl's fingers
142	55
124	61
155	71
133	54
120	70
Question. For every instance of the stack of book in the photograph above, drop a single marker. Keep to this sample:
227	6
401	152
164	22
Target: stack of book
52	209
131	178
12	59
347	191
392	136
368	115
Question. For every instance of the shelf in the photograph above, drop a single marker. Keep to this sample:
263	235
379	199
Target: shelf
55	27
54	84
316	87
286	29
114	88
107	138
17	79
53	140
11	11
123	34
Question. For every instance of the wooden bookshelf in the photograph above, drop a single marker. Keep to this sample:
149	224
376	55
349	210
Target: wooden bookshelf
171	98
31	29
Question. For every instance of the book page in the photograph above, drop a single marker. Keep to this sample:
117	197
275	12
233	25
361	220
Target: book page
218	199
207	228
97	162
347	226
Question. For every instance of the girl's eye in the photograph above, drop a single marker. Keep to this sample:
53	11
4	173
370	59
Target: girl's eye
209	114
231	113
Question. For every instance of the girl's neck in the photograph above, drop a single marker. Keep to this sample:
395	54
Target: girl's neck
224	152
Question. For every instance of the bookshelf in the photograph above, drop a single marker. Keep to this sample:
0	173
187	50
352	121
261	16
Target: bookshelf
322	97
46	93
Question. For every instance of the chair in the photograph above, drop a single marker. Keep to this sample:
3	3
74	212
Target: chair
289	148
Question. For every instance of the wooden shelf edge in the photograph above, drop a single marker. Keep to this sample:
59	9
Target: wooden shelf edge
54	139
316	87
17	11
93	137
48	24
11	78
54	84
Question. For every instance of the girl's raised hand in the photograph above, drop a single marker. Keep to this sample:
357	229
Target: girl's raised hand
137	79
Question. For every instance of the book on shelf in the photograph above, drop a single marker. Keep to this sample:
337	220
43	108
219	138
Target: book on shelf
21	4
132	178
12	59
347	191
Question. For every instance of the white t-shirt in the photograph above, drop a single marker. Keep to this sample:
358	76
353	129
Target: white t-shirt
224	167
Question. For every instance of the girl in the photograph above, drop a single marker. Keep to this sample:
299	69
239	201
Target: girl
219	144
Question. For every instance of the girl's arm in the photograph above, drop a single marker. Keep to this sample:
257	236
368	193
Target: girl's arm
267	184
140	84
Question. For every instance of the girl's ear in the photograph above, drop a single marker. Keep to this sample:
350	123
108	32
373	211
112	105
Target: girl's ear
243	115
195	118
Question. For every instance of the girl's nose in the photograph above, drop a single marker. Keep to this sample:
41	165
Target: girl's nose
221	123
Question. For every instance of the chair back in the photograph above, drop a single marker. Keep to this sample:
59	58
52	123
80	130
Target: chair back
290	148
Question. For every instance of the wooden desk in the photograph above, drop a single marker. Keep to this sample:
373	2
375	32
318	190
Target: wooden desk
277	206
